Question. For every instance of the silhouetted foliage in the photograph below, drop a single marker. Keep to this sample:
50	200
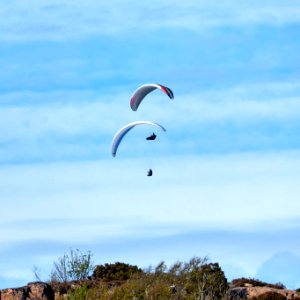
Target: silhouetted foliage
240	282
116	271
277	285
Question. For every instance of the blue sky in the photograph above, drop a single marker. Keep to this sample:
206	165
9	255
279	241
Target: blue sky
226	172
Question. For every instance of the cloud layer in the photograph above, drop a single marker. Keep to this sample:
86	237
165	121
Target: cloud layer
57	20
43	129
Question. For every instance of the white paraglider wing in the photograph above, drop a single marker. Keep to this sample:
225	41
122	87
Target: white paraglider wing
144	90
125	129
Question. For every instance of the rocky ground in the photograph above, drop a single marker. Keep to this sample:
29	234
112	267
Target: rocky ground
44	291
34	291
252	292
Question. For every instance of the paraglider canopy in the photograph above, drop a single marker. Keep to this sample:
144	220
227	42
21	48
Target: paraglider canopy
141	92
125	129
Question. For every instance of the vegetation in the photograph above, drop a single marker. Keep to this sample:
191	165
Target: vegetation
75	276
255	282
79	293
195	279
73	266
116	271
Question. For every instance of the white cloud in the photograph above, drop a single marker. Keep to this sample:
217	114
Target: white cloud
77	112
192	204
257	183
81	124
54	113
277	101
57	20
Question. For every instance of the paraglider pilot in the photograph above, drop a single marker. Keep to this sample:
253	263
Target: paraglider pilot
152	137
150	172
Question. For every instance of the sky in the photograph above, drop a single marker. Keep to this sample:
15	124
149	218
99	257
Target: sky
226	174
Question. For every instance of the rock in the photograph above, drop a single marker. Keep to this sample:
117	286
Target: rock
237	293
32	291
252	292
256	291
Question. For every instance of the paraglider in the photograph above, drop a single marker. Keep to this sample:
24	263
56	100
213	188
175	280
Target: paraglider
125	129
141	92
137	97
152	137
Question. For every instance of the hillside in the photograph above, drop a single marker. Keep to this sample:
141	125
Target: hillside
75	278
93	289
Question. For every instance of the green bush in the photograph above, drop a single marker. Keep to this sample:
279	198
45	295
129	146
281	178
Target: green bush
78	293
194	279
116	271
206	280
73	266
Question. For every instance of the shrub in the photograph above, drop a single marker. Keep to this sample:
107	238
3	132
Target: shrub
73	266
116	271
79	293
240	282
207	280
